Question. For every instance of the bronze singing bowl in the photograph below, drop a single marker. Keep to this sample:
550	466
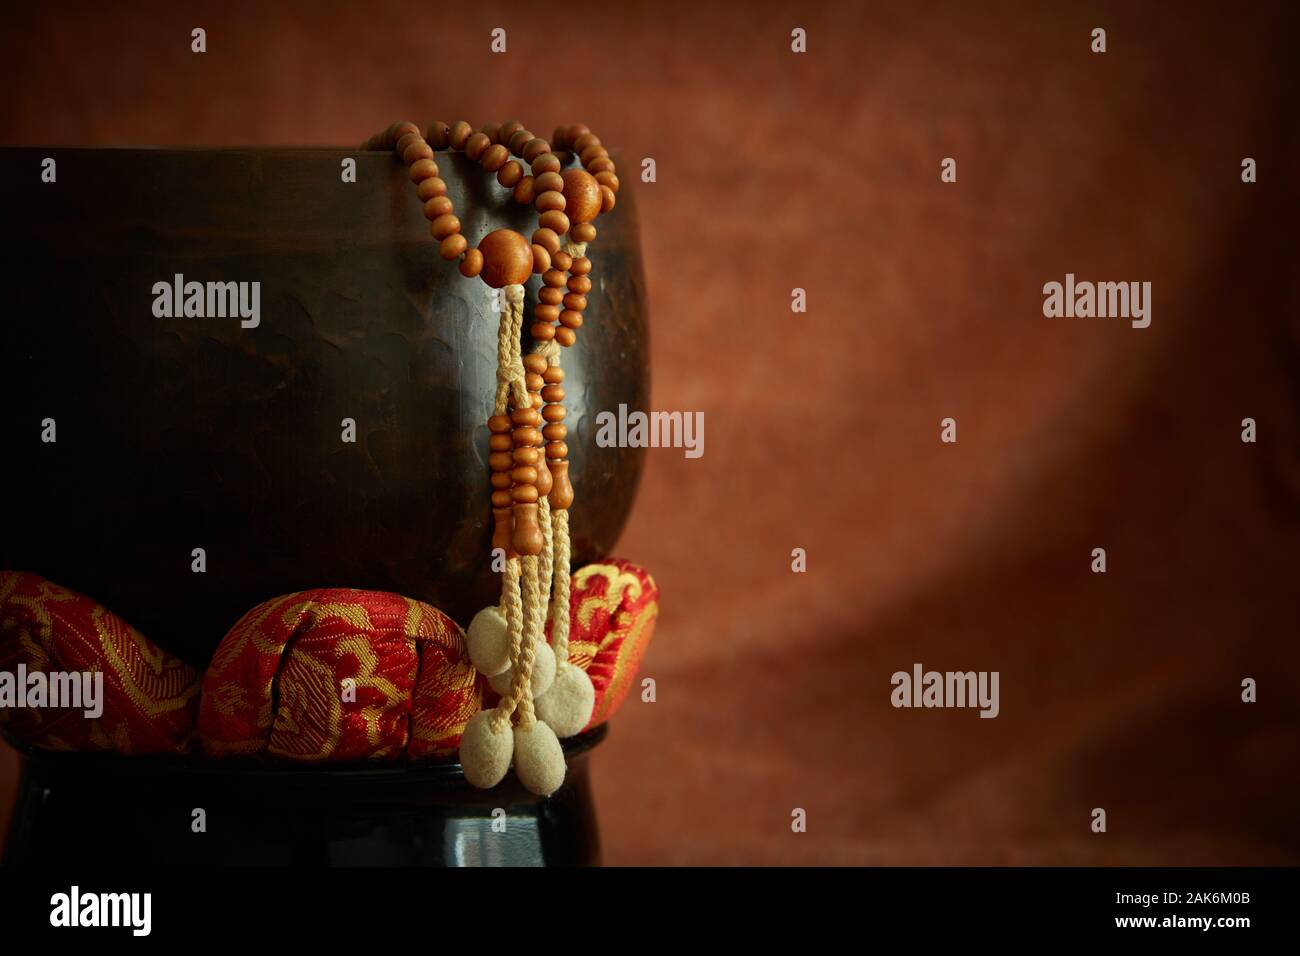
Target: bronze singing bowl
182	433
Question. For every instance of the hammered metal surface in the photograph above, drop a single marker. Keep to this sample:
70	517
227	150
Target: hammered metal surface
183	433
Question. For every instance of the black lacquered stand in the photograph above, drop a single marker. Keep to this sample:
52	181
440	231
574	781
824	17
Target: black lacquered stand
104	810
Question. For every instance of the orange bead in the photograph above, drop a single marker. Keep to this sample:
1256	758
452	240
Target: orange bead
439	135
549	296
519	140
575	301
524	494
542	331
562	261
526	537
501	442
555	278
545	182
549	200
541	259
431	187
495	157
402	129
500	461
444	226
501	479
533	382
524	475
526	437
459	133
546	313
501	499
535	148
525	456
566	337
548	240
553	375
582	194
571	319
510	174
423	169
472	264
451	247
552	219
583	232
552	393
499	424
607	198
524	191
405	142
602	165
584	140
546	163
580	285
490	130
581	266
507	258
508	129
477	145
437	206
417	150
555	432
608	179
535	364
556	450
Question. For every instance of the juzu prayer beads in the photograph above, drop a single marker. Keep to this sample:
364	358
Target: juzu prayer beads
527	449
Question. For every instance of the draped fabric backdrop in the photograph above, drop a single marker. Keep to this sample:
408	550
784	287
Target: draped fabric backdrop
820	171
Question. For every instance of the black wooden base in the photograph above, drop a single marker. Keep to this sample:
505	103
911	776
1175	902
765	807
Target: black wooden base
97	810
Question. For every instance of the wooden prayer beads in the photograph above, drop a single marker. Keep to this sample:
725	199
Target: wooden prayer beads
527	450
555	431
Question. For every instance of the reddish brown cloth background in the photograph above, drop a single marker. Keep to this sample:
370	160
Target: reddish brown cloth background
821	171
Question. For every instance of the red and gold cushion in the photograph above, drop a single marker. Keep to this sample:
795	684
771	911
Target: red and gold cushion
149	696
613	607
337	675
328	675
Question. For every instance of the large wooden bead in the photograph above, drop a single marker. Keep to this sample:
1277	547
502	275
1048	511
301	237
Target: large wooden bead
581	195
507	258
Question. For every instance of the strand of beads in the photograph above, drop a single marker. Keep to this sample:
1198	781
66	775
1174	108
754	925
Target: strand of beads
531	493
